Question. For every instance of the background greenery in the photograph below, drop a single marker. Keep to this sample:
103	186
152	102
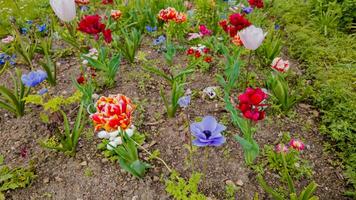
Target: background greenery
322	40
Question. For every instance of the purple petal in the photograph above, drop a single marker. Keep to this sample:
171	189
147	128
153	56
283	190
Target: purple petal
199	143
209	123
197	132
217	141
219	128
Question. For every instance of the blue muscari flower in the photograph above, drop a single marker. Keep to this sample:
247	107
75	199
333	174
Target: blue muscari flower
151	29
276	27
247	10
33	78
23	31
159	40
184	101
42	28
29	22
208	132
43	91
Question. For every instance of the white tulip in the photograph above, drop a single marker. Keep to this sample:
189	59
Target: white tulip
252	37
113	135
103	134
111	145
64	9
130	131
118	141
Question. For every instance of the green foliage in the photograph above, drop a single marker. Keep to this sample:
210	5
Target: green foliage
129	43
270	48
207	13
177	82
170	53
297	167
54	104
306	194
128	157
21	10
329	62
229	82
285	159
109	66
25	47
13	100
181	189
281	92
230	192
11	179
48	65
87	89
68	140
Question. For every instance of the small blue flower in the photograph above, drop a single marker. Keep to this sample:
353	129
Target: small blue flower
208	132
159	40
247	10
29	22
2	62
23	31
43	91
184	101
33	78
42	28
277	27
151	29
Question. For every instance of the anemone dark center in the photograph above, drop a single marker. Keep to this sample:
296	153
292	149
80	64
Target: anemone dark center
207	133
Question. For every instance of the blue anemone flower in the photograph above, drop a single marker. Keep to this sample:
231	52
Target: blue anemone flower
159	40
184	101
23	31
208	132
151	29
29	22
33	78
43	91
42	28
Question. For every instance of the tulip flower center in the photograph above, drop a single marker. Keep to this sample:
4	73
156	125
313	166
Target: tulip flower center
207	133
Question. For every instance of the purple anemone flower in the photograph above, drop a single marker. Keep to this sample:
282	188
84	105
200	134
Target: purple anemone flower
208	132
184	101
247	10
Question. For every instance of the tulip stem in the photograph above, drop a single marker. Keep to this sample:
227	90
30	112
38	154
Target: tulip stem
248	67
189	138
156	157
205	166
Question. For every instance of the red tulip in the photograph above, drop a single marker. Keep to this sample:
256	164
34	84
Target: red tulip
251	104
256	3
107	2
107	35
91	24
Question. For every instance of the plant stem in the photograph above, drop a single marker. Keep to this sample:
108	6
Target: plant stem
289	178
205	166
156	157
248	67
189	137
